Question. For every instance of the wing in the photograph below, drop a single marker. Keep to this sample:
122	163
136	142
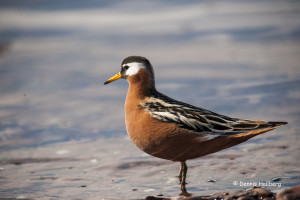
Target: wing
198	119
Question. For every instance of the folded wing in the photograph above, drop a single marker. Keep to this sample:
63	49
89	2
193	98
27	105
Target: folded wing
200	120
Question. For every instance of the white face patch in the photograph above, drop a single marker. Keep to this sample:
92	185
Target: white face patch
133	68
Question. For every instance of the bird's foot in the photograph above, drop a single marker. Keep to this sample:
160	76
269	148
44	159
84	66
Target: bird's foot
184	192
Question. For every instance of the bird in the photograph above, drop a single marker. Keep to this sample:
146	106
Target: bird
173	130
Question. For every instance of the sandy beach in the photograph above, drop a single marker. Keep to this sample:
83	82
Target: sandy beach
62	132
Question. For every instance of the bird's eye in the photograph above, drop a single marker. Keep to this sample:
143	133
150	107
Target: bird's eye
126	67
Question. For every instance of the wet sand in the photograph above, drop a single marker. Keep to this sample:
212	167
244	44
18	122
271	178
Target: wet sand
115	169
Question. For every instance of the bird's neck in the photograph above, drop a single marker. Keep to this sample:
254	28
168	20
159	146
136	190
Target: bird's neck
141	86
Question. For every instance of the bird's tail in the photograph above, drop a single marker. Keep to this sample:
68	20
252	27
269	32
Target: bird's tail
262	127
277	124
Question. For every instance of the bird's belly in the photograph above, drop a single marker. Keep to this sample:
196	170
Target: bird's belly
163	140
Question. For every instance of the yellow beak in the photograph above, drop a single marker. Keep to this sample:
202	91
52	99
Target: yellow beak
115	77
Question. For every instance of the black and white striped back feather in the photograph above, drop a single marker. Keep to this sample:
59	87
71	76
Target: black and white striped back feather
199	120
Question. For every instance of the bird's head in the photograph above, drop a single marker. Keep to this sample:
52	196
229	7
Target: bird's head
135	69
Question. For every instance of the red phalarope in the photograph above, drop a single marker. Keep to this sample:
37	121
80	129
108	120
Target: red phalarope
173	130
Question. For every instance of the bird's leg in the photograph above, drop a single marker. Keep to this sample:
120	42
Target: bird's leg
180	172
183	170
182	178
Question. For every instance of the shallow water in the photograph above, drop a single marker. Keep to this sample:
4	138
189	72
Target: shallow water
62	133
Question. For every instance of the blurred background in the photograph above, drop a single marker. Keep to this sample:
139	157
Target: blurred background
238	58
